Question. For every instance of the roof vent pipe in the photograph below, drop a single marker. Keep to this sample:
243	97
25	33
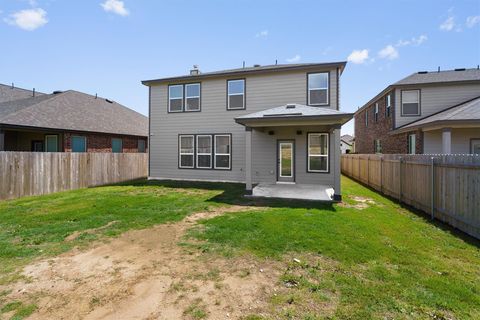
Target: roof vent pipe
13	85
33	92
438	69
460	69
256	65
194	71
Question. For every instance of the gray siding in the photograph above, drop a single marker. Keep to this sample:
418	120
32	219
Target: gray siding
461	139
263	91
434	99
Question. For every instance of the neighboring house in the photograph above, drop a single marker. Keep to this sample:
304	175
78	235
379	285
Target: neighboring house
68	121
346	143
427	112
256	125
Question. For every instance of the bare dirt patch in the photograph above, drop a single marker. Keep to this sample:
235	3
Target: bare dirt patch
359	203
144	274
77	234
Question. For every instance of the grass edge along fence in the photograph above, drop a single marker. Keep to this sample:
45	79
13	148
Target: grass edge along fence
445	186
37	173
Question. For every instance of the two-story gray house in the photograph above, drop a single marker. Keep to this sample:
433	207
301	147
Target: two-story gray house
427	112
275	128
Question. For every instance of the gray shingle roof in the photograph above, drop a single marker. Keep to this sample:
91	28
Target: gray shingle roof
76	111
347	138
7	93
292	111
442	76
467	111
259	69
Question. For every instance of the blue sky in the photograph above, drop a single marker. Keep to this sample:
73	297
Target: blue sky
109	46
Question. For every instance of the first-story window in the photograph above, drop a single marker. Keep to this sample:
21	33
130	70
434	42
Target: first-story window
222	151
204	151
141	146
79	144
378	146
117	145
51	143
187	151
318	152
411	143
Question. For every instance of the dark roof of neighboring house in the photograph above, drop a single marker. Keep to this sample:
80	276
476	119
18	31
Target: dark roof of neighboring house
442	76
465	111
347	138
430	77
74	111
10	93
251	70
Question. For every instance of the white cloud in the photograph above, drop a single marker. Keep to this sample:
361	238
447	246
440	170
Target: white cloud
358	56
294	59
413	41
115	6
28	19
448	24
262	34
389	52
473	21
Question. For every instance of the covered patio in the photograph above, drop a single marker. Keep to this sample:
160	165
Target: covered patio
293	151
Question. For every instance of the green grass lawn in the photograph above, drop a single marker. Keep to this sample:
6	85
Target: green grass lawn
386	262
380	262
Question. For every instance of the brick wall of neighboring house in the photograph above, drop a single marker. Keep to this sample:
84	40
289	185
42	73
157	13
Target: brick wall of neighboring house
365	136
97	142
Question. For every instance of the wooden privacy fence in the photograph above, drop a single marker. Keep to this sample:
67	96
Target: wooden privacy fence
36	173
445	186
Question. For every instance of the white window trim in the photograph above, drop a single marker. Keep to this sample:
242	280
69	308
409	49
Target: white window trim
204	154
85	139
388	104
318	155
192	97
403	114
410	144
291	162
46	141
223	154
170	98
186	153
327	88
235	94
376	112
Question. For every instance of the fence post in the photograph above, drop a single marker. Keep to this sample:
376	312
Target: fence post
400	179
381	174
368	170
432	183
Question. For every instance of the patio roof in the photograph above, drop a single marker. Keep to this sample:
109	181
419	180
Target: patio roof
294	114
465	114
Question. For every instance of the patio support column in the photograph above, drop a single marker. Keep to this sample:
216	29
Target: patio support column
336	154
2	140
447	141
248	160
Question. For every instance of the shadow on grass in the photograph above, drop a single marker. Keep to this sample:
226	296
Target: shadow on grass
233	194
426	217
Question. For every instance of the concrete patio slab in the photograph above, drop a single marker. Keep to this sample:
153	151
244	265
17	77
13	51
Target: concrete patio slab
294	191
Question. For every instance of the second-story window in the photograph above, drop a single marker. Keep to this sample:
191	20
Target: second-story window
184	97
175	98
236	94
192	97
411	103
366	117
376	112
388	105
318	89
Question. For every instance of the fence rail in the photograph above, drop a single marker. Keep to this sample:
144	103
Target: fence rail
445	186
35	173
